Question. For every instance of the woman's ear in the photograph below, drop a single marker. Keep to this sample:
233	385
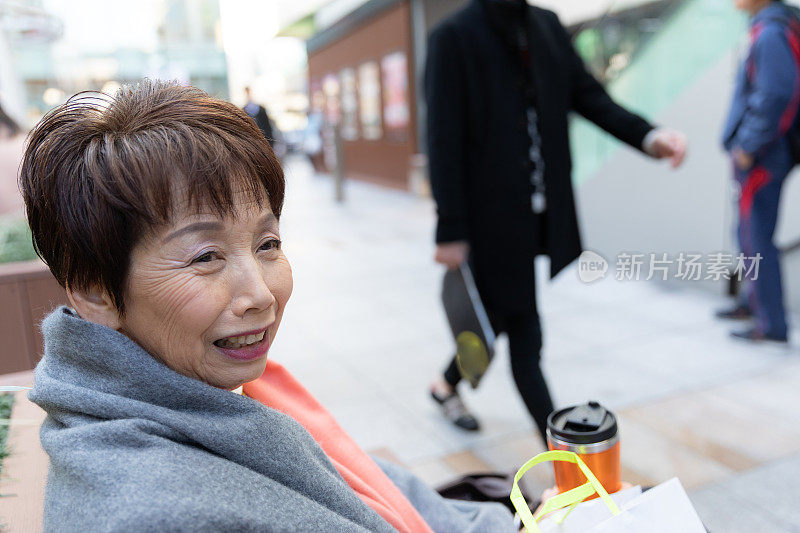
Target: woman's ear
94	305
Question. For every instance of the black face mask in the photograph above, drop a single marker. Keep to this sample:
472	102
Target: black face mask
518	3
507	17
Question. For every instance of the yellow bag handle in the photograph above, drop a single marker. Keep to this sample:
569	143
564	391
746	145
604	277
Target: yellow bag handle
570	499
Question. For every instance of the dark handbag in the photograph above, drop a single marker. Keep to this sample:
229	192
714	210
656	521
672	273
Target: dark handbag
488	487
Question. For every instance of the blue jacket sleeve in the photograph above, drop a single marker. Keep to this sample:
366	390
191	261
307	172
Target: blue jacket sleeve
774	92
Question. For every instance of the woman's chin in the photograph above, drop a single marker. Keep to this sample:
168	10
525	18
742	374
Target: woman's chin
241	373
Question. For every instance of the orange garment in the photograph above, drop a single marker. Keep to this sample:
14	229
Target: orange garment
278	389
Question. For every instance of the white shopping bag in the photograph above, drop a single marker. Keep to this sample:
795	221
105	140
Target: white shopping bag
586	515
662	509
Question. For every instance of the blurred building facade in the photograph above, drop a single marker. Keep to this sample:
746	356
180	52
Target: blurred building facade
23	26
672	61
361	72
366	61
77	48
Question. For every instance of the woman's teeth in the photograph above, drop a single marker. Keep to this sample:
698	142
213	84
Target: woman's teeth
241	341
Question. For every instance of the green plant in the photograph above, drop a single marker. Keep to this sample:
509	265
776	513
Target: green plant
15	241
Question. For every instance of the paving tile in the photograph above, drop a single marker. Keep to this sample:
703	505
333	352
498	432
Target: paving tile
388	455
773	488
604	291
635	477
721	428
603	376
649	458
465	462
406	364
723	511
608	326
773	394
559	343
434	472
380	425
512	451
509	454
418	405
695	360
332	382
691	309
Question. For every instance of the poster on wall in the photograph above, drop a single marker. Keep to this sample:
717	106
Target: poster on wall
330	88
394	70
317	103
369	93
349	100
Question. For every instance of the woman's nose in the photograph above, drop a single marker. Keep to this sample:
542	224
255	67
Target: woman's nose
251	290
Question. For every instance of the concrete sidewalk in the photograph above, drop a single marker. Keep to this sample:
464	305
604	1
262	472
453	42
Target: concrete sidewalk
365	332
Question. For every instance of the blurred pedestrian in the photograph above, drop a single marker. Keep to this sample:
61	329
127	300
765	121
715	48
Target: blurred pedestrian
8	124
759	134
500	78
312	139
259	114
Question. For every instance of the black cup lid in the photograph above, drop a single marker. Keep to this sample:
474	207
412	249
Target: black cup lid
583	424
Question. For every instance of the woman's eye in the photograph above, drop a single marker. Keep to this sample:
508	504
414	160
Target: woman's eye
272	244
205	258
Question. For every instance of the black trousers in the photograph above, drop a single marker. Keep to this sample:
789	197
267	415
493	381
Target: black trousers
525	345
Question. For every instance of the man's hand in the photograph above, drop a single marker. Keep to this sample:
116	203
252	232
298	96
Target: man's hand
451	254
663	142
742	159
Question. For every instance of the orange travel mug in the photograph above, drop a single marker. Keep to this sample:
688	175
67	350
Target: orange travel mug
589	430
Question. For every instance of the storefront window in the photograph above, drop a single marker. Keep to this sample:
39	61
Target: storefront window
369	92
330	87
347	81
396	114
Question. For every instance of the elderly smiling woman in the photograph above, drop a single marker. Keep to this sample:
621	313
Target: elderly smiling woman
158	211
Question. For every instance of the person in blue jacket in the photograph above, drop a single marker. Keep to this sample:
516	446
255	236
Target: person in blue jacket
756	134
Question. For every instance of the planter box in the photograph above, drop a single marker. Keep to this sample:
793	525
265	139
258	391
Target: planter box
28	292
25	469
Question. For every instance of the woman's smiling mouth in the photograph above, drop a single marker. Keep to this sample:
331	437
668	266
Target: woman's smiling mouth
240	341
246	346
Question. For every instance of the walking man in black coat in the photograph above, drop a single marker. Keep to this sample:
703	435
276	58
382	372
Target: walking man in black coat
259	114
500	78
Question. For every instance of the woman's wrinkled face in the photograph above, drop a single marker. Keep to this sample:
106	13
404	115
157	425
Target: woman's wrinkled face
205	294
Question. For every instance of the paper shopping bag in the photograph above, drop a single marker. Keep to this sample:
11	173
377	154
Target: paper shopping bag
586	515
662	509
569	499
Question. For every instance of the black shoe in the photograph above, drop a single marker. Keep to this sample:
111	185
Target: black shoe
755	334
455	411
738	312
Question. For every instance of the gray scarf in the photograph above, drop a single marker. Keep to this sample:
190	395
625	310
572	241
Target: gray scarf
135	446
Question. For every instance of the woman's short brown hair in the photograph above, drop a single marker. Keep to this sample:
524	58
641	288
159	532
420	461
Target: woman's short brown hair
99	172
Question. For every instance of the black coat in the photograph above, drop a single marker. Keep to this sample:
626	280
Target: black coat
478	145
261	119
